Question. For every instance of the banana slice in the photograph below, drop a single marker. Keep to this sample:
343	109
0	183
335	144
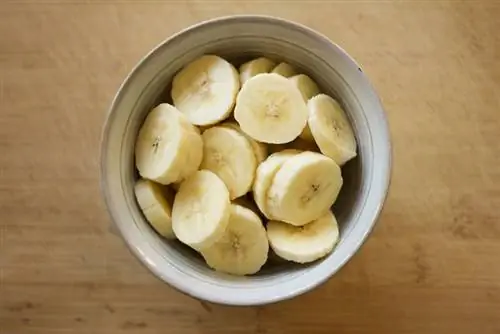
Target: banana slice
304	188
229	155
243	248
306	243
264	176
254	67
205	90
201	210
285	70
259	149
308	88
155	202
270	109
331	129
167	148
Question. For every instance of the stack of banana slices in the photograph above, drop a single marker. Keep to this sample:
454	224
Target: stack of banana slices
243	161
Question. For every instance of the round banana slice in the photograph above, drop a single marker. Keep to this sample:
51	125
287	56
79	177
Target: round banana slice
201	210
243	248
167	147
308	88
205	90
264	176
284	69
254	67
155	202
306	243
259	149
331	129
270	109
229	155
304	188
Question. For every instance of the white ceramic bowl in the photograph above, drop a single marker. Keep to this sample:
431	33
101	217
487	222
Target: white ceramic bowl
366	179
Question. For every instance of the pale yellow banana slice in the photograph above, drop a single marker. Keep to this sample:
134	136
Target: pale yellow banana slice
331	129
308	88
167	148
243	248
284	69
254	67
306	243
155	202
201	210
264	176
270	109
228	154
259	149
205	90
304	188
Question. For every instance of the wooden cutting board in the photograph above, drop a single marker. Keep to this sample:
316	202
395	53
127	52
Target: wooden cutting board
432	264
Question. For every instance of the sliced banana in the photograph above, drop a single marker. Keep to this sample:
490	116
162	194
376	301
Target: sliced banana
254	67
308	88
205	90
167	148
193	157
306	243
259	149
230	156
331	129
285	70
201	210
155	202
270	109
264	176
304	188
243	248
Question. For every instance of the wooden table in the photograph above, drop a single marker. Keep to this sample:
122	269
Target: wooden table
433	262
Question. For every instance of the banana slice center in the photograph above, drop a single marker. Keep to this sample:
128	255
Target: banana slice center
273	109
311	192
204	84
217	157
156	143
232	243
336	125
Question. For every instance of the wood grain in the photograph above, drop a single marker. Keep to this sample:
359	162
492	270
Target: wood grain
432	264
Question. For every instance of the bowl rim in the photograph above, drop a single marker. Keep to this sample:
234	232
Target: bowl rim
221	299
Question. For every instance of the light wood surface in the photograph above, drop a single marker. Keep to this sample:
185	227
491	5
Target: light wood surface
432	264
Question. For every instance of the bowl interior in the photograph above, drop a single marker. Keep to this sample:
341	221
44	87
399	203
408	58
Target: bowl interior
238	40
351	172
